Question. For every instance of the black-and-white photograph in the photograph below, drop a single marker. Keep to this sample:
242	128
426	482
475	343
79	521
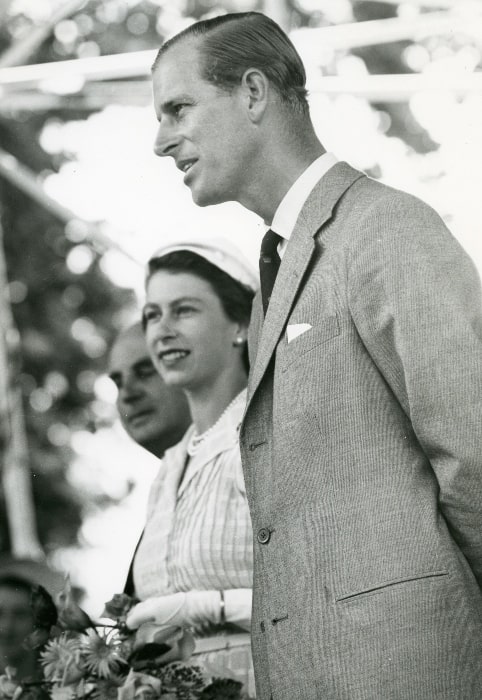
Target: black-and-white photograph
240	350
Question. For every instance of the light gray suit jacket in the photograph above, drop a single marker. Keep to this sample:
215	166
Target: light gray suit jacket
362	453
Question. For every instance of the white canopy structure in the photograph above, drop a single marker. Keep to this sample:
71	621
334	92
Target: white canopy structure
48	85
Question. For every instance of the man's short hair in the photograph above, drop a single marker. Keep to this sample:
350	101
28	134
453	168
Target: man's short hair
233	43
17	583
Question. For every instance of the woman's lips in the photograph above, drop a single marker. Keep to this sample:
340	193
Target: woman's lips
172	357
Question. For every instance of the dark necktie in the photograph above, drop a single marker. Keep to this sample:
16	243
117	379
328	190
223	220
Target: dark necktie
269	262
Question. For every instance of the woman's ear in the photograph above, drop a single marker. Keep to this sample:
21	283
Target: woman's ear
241	336
239	341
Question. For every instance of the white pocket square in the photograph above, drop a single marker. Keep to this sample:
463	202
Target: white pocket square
296	329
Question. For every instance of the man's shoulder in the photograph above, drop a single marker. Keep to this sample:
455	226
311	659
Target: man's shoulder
367	195
346	193
369	207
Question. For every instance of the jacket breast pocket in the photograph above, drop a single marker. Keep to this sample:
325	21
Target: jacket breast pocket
324	330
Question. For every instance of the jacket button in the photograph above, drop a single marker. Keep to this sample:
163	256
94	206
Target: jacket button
264	535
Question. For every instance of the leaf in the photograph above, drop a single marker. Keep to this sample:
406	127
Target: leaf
118	606
36	639
150	632
140	658
71	616
223	689
43	608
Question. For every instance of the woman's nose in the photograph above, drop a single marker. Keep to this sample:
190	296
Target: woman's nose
165	328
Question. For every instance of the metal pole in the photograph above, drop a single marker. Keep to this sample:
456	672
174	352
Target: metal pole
15	476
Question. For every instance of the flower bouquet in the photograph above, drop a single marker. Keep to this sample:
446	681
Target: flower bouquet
83	660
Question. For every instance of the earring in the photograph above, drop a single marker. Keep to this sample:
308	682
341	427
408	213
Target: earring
238	341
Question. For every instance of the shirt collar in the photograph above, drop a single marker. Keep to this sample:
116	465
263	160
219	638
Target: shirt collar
292	203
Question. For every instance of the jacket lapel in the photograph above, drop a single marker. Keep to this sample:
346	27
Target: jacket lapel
316	212
293	266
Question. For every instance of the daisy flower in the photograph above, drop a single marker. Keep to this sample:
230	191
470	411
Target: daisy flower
101	657
62	660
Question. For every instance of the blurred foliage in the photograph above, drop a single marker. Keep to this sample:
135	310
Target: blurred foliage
67	319
66	322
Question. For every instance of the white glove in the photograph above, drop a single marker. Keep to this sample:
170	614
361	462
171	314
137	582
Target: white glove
181	609
237	607
193	608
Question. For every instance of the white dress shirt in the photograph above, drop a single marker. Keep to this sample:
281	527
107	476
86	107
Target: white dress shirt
292	203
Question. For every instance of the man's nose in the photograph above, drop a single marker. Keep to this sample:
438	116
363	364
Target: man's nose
167	140
130	391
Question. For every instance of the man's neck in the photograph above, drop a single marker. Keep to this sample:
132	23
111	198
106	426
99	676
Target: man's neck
278	170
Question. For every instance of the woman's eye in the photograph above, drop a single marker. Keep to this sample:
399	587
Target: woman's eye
151	315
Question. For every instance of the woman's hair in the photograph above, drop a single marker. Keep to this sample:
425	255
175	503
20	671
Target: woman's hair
236	298
231	44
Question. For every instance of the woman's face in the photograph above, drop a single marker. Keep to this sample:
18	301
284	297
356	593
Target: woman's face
189	337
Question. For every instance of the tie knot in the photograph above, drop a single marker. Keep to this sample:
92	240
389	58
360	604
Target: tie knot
269	245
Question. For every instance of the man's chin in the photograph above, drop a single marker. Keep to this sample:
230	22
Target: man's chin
143	436
202	198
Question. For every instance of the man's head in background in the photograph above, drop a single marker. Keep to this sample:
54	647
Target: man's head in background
16	623
154	415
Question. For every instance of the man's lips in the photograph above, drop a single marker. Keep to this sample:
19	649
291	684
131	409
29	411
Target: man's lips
140	415
186	166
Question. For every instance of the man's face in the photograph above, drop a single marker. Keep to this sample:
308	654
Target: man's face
205	129
16	623
153	414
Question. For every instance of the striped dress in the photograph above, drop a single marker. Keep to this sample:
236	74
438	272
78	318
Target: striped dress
198	532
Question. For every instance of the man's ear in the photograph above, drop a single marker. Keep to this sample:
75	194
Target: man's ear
255	86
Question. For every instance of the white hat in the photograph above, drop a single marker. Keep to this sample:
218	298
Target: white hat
218	252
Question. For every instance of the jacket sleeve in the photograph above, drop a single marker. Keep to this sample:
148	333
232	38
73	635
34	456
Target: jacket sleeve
415	299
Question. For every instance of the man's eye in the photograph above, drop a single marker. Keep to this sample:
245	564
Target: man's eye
178	108
146	371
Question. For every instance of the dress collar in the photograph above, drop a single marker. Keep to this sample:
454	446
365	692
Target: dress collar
223	437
